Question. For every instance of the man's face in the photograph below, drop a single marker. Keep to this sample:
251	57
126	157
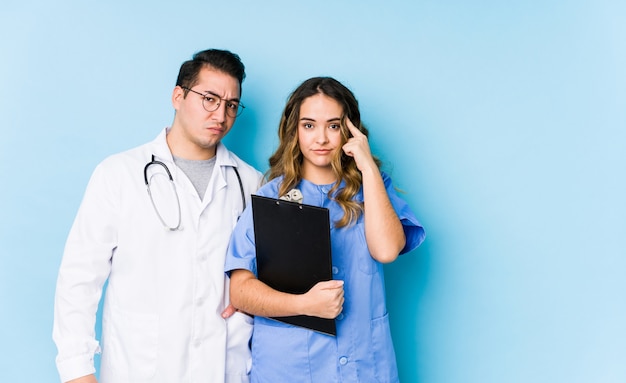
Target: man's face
195	132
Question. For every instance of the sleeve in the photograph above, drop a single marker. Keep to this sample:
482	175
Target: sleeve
413	230
84	269
241	252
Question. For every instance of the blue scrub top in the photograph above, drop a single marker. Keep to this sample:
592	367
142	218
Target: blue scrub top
362	351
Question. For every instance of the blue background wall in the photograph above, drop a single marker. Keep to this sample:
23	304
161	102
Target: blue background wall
504	123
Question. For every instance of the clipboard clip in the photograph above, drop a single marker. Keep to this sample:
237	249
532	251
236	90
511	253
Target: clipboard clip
293	195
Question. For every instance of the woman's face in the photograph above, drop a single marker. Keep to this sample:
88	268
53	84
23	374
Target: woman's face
319	137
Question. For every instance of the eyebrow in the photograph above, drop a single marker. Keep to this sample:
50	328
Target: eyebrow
217	95
312	119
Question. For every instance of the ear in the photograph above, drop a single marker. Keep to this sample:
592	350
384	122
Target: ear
178	94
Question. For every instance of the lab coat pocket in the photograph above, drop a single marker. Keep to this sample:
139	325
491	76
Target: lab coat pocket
238	358
130	343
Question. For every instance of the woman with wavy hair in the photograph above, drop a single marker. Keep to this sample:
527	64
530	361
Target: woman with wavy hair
324	157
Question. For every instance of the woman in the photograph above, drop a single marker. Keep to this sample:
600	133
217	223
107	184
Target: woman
325	155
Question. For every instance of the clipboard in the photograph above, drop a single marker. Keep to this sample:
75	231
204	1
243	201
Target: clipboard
293	252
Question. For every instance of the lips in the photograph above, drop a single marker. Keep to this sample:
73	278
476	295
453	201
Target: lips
216	129
322	151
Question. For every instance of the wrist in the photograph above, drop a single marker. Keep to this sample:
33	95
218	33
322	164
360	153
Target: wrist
370	170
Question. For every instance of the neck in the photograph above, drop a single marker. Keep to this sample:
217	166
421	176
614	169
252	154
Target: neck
186	149
319	176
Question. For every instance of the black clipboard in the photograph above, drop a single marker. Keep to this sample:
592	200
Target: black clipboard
293	251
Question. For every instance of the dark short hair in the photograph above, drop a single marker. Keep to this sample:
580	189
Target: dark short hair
221	60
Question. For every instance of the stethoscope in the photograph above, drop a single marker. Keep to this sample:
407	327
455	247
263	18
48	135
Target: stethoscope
169	175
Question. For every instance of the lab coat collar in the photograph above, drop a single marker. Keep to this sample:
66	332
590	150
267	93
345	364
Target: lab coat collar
223	156
159	147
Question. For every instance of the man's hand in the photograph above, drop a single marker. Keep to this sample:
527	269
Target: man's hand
228	311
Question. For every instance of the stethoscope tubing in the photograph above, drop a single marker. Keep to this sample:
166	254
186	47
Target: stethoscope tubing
169	175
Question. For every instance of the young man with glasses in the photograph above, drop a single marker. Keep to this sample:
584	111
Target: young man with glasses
155	223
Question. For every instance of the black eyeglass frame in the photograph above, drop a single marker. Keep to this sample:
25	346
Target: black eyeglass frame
205	96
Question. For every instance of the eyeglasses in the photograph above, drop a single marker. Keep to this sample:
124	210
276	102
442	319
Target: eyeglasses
211	102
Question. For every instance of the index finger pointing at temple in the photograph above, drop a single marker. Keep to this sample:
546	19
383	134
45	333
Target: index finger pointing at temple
353	129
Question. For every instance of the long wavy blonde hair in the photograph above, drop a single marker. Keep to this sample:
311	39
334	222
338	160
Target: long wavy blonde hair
287	159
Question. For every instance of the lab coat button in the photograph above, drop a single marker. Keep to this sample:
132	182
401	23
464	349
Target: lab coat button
343	361
335	270
340	317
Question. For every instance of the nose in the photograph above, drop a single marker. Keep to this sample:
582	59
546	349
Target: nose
321	136
219	114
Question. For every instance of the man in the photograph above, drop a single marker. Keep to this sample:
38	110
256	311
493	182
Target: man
156	221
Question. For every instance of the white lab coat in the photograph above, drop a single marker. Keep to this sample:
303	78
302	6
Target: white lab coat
166	289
